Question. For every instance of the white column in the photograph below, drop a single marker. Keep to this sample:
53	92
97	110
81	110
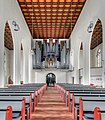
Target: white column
26	66
30	67
86	61
103	57
35	73
1	56
16	64
76	76
76	70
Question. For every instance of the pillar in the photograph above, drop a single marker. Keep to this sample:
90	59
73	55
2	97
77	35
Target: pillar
16	64
103	57
86	60
26	66
1	55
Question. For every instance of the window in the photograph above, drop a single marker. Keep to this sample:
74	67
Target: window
99	58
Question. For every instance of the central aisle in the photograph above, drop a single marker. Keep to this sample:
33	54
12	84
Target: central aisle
51	107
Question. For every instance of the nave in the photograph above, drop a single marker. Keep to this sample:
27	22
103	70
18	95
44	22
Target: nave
52	59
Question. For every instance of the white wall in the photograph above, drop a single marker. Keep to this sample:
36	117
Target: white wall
69	77
40	77
6	64
93	55
11	63
21	62
93	58
80	34
9	12
81	59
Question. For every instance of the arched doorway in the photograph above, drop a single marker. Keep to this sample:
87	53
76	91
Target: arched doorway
96	48
50	79
8	55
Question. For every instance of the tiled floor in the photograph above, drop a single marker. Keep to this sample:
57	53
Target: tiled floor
51	107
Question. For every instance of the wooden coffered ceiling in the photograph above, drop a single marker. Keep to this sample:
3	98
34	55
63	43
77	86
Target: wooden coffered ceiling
8	42
97	35
51	18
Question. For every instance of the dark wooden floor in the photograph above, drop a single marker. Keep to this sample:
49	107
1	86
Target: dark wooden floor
51	107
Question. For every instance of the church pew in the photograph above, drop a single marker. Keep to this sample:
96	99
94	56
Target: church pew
21	92
98	114
82	92
18	108
35	94
6	114
75	102
86	108
40	91
17	96
28	105
78	89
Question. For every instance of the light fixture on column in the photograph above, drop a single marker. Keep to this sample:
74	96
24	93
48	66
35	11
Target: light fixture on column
47	40
15	26
90	27
53	40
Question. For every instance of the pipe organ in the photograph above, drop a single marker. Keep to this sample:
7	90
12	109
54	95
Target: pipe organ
51	53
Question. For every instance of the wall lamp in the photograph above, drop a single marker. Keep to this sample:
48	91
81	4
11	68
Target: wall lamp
16	26
89	29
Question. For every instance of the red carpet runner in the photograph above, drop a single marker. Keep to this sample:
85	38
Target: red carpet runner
51	107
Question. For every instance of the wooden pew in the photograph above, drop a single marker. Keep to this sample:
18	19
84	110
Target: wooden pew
75	102
81	92
16	93
86	108
98	114
6	114
18	108
36	93
28	104
19	97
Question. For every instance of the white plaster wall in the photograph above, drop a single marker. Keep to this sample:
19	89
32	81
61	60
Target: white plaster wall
81	59
40	76
80	34
69	77
7	65
11	63
21	60
11	57
93	55
93	58
96	71
9	11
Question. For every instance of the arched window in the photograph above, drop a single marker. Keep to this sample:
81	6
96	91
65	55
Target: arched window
99	58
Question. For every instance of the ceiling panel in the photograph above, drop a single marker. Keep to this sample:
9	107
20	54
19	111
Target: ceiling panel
8	42
51	18
97	35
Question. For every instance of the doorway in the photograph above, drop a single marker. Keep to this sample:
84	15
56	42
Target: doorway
50	79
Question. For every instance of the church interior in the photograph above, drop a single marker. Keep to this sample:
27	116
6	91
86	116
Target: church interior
52	60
